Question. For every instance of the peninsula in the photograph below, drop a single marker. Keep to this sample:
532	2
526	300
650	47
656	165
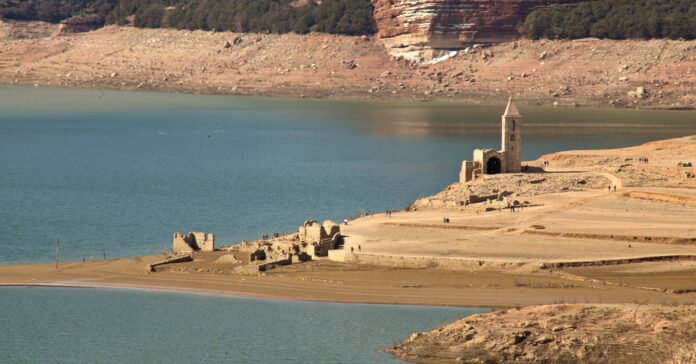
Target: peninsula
587	228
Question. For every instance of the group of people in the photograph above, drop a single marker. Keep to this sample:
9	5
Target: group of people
546	163
352	248
643	160
388	213
267	236
610	188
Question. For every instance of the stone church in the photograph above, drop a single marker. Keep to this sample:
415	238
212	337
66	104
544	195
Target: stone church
505	160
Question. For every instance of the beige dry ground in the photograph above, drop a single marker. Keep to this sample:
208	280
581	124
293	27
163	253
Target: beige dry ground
583	72
628	334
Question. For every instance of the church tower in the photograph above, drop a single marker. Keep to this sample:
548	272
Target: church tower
511	144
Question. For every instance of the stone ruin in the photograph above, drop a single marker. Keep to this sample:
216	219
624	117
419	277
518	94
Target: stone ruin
192	242
312	241
319	239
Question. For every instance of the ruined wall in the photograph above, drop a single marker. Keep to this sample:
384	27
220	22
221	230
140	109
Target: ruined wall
192	242
450	24
312	232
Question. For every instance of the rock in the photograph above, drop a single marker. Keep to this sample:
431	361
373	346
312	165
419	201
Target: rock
521	336
543	55
415	336
544	339
350	64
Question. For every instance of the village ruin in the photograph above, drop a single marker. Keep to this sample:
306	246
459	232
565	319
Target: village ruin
505	160
192	242
196	250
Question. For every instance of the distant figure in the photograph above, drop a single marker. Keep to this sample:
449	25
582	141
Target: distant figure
614	188
359	248
351	249
513	208
609	188
345	221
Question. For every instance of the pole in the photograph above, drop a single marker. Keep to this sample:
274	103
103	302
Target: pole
57	252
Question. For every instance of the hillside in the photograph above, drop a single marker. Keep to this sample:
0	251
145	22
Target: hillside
561	334
584	72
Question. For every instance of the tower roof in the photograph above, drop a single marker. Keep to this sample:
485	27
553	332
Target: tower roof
511	109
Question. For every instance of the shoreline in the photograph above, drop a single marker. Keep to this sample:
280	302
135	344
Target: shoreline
294	97
211	293
314	66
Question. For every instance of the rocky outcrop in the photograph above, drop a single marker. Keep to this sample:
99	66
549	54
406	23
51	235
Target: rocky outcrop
79	24
451	24
561	334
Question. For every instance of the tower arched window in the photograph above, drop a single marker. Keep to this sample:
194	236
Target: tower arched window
513	125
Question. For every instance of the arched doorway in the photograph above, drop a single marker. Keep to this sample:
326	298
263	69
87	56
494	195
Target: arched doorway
493	165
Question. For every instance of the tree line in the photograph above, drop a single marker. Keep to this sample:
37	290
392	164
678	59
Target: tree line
615	19
353	17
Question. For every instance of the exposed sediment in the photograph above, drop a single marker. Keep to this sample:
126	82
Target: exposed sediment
588	72
561	334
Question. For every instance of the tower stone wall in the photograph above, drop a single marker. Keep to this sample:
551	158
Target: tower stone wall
506	160
511	143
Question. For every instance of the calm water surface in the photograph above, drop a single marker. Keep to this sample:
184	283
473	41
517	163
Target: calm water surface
123	171
55	325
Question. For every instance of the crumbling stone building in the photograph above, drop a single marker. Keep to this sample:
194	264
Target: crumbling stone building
505	160
192	242
320	238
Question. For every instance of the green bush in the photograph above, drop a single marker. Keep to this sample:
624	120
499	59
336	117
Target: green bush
276	16
615	19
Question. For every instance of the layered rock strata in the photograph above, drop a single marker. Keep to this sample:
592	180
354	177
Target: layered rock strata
452	24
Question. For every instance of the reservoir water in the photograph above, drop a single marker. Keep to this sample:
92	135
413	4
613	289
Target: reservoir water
121	172
59	325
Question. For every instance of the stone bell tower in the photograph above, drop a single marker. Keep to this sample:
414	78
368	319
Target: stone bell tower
511	145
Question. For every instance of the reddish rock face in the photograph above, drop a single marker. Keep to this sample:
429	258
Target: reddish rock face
452	23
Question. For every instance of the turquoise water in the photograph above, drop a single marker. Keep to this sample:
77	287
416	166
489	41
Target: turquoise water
56	325
123	171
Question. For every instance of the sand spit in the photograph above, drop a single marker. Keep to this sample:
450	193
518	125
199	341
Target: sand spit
646	74
561	334
595	233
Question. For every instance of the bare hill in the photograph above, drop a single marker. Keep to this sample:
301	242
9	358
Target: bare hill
657	73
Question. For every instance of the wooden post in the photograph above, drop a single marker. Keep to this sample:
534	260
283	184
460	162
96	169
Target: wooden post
57	252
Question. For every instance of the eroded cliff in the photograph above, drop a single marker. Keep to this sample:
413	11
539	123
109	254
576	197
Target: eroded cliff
408	25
